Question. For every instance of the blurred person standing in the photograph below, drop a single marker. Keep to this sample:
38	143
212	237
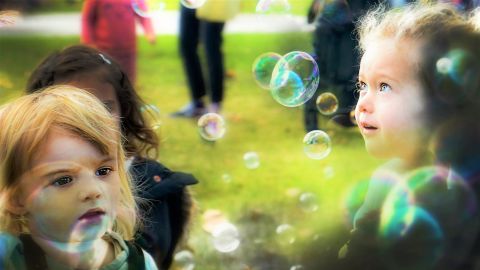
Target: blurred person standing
109	25
204	25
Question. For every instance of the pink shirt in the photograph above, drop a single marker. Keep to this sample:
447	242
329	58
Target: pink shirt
110	24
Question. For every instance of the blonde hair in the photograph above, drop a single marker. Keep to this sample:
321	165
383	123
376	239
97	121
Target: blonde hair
416	21
25	124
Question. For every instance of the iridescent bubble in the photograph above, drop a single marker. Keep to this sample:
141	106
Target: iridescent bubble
211	126
327	103
262	68
148	8
294	79
285	234
226	237
354	200
308	202
184	260
317	144
273	6
251	159
423	211
296	267
151	114
192	3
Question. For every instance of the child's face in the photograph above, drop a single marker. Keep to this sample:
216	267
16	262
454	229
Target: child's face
390	111
71	192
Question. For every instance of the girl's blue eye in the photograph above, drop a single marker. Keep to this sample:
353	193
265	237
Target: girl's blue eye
361	86
103	171
385	87
62	181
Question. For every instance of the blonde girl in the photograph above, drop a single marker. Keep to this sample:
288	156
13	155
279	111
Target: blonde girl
419	83
66	199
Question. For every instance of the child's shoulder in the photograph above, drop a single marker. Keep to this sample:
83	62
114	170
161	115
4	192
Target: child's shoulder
148	170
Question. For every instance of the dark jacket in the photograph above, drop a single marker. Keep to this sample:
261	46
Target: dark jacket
166	208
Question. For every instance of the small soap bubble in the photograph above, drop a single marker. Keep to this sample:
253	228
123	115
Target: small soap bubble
251	159
294	79
317	144
262	68
273	6
285	234
327	103
227	178
184	260
211	126
308	202
192	3
148	8
444	65
297	267
226	238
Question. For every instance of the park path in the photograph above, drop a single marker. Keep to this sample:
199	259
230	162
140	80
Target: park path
60	24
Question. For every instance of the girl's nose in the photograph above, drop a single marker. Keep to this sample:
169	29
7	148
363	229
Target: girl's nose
365	103
90	191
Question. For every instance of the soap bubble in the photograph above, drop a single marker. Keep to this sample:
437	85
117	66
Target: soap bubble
184	260
192	3
211	126
308	202
148	8
294	79
262	68
251	159
327	103
226	237
317	144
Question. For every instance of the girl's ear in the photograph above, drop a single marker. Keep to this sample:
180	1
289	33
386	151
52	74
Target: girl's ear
14	204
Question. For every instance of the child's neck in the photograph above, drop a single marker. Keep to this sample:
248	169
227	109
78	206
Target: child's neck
82	255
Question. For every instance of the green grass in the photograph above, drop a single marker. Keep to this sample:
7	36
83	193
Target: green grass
255	200
298	7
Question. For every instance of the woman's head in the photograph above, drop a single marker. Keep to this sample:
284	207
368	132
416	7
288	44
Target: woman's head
89	69
403	99
62	168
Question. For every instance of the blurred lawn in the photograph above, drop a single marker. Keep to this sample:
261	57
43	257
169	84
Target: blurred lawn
298	7
257	200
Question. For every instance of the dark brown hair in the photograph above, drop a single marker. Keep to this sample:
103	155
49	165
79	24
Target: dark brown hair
140	139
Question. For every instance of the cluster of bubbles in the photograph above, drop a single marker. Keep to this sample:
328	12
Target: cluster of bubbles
211	126
295	79
251	160
151	114
292	79
184	260
327	103
273	6
413	214
148	8
317	144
